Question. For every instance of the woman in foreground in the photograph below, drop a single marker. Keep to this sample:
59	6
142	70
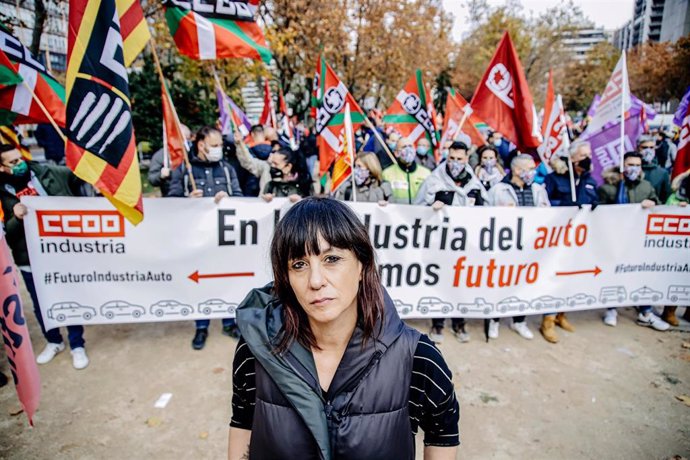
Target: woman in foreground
325	368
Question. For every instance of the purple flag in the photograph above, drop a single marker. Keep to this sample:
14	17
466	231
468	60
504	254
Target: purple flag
682	109
225	104
636	108
606	145
593	108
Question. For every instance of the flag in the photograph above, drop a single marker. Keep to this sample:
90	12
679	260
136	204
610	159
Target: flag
230	114
682	162
615	100
15	333
504	101
8	73
173	139
412	112
135	30
17	106
606	144
553	129
101	148
285	128
268	115
328	105
682	109
342	169
456	107
10	136
216	30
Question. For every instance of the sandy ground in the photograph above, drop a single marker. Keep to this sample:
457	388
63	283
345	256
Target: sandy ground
600	393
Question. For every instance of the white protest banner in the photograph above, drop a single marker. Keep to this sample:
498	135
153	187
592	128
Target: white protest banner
192	259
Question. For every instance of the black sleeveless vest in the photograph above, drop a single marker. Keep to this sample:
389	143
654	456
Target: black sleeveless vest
366	408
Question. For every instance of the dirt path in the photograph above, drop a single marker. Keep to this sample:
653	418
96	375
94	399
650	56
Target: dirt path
600	393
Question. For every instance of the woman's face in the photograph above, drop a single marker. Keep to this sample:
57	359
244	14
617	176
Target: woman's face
488	155
279	161
359	164
326	285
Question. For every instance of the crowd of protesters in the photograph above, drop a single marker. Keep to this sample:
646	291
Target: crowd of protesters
388	168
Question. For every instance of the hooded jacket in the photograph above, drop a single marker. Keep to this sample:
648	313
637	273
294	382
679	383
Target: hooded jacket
210	177
370	192
440	181
637	191
503	194
293	418
557	186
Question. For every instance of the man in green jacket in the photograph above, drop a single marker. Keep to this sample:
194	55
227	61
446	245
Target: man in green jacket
627	188
27	178
653	173
405	176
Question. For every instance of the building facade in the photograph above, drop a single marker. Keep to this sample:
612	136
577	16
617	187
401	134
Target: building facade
654	21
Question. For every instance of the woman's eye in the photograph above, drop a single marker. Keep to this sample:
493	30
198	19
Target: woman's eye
332	259
297	265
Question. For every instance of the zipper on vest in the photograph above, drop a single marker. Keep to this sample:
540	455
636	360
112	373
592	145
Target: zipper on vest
359	377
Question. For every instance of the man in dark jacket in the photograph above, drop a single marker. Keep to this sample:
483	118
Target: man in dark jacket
27	178
213	177
626	188
160	174
653	173
557	183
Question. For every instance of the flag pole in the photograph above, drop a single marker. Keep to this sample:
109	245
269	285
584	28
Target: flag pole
349	142
465	116
371	126
156	61
622	140
45	111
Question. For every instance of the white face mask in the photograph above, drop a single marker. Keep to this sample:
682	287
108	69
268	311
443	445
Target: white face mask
214	154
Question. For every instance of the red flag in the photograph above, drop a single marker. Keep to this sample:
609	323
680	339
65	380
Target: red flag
268	116
503	99
15	334
172	131
285	127
553	128
456	106
682	163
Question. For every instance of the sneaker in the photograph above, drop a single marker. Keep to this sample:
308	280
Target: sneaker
436	334
522	329
79	358
493	328
611	317
232	331
653	321
462	335
49	352
199	339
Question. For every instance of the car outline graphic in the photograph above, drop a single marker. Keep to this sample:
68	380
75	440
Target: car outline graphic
107	309
480	305
511	303
402	307
159	308
210	306
429	305
60	311
646	293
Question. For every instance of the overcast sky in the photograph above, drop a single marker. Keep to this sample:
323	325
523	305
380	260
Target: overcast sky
610	14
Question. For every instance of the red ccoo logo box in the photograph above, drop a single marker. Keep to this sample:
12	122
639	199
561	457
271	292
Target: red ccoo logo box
668	224
81	224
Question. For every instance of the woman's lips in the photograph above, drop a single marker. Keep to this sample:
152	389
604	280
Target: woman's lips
321	302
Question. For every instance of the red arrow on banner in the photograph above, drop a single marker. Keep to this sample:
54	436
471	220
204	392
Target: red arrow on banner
594	271
196	276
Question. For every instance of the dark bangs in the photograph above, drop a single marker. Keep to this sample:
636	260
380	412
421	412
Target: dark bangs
297	235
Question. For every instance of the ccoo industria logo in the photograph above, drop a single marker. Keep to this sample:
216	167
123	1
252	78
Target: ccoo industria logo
670	231
80	232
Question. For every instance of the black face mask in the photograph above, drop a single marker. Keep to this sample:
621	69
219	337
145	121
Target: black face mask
585	163
276	173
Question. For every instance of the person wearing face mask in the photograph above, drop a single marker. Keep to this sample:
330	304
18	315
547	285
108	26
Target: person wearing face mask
405	176
557	183
214	178
425	154
18	178
627	188
489	171
369	184
289	176
517	189
653	173
501	144
159	175
452	183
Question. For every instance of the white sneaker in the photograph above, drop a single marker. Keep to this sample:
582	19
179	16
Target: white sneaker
493	328
611	317
49	352
522	329
462	336
653	321
79	358
436	335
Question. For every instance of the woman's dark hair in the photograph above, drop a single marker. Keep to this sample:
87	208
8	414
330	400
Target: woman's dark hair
299	166
297	235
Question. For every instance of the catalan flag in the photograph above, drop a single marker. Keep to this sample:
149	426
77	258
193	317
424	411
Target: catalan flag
135	31
10	136
217	30
100	138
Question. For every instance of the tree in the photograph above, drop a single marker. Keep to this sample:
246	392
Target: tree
578	82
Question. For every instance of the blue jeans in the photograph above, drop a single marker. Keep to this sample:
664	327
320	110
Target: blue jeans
203	323
75	334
